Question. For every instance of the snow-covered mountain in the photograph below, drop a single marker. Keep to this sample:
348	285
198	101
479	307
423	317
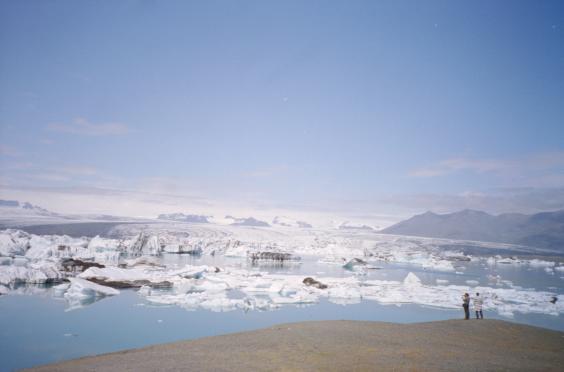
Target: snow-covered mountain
289	222
181	217
15	213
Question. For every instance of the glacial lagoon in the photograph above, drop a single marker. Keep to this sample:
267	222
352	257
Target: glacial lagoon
220	290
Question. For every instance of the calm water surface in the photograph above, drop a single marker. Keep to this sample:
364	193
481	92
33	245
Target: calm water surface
36	329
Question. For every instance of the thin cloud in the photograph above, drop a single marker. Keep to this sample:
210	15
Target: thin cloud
78	170
538	165
460	164
81	126
502	200
9	151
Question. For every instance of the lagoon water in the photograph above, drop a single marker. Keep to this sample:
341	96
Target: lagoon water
35	327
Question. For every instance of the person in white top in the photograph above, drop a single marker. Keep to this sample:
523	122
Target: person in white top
478	303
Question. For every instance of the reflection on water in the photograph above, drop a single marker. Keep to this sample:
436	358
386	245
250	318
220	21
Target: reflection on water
36	329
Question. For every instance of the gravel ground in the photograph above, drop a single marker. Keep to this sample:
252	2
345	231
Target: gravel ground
484	345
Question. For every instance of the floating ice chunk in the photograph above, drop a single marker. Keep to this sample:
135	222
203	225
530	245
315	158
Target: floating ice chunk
46	272
4	290
494	278
299	297
472	282
354	264
144	290
40	247
344	295
508	260
115	274
182	249
502	260
237	249
540	263
559	268
456	256
59	290
98	244
20	261
439	265
13	242
82	292
144	260
508	283
145	244
411	280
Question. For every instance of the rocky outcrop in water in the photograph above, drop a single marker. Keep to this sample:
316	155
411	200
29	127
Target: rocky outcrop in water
310	282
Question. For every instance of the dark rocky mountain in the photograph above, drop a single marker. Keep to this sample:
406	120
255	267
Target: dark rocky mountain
181	217
250	221
542	230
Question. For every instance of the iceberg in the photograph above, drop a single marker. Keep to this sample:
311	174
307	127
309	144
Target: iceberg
13	242
44	273
82	292
412	281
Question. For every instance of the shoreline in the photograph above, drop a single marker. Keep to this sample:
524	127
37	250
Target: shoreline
347	345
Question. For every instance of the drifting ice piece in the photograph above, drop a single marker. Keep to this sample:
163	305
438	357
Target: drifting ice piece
81	288
354	263
411	280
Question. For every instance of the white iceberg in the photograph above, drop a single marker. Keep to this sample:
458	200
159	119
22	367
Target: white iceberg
82	292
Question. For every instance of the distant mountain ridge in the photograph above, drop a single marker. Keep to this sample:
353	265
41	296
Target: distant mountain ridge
25	206
14	213
247	221
290	222
181	217
542	230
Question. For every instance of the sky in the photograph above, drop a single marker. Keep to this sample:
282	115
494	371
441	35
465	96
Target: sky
365	109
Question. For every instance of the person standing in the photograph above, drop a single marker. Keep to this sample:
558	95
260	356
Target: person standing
466	305
478	303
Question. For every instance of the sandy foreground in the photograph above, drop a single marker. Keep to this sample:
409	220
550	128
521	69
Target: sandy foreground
348	345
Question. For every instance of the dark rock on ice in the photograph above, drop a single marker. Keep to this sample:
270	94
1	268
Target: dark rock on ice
310	282
124	284
74	265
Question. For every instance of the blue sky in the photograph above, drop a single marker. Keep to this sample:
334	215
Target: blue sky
352	107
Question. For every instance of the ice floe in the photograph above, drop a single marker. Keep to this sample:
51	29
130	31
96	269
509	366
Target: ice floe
81	292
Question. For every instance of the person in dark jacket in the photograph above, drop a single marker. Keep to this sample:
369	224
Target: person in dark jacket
466	305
